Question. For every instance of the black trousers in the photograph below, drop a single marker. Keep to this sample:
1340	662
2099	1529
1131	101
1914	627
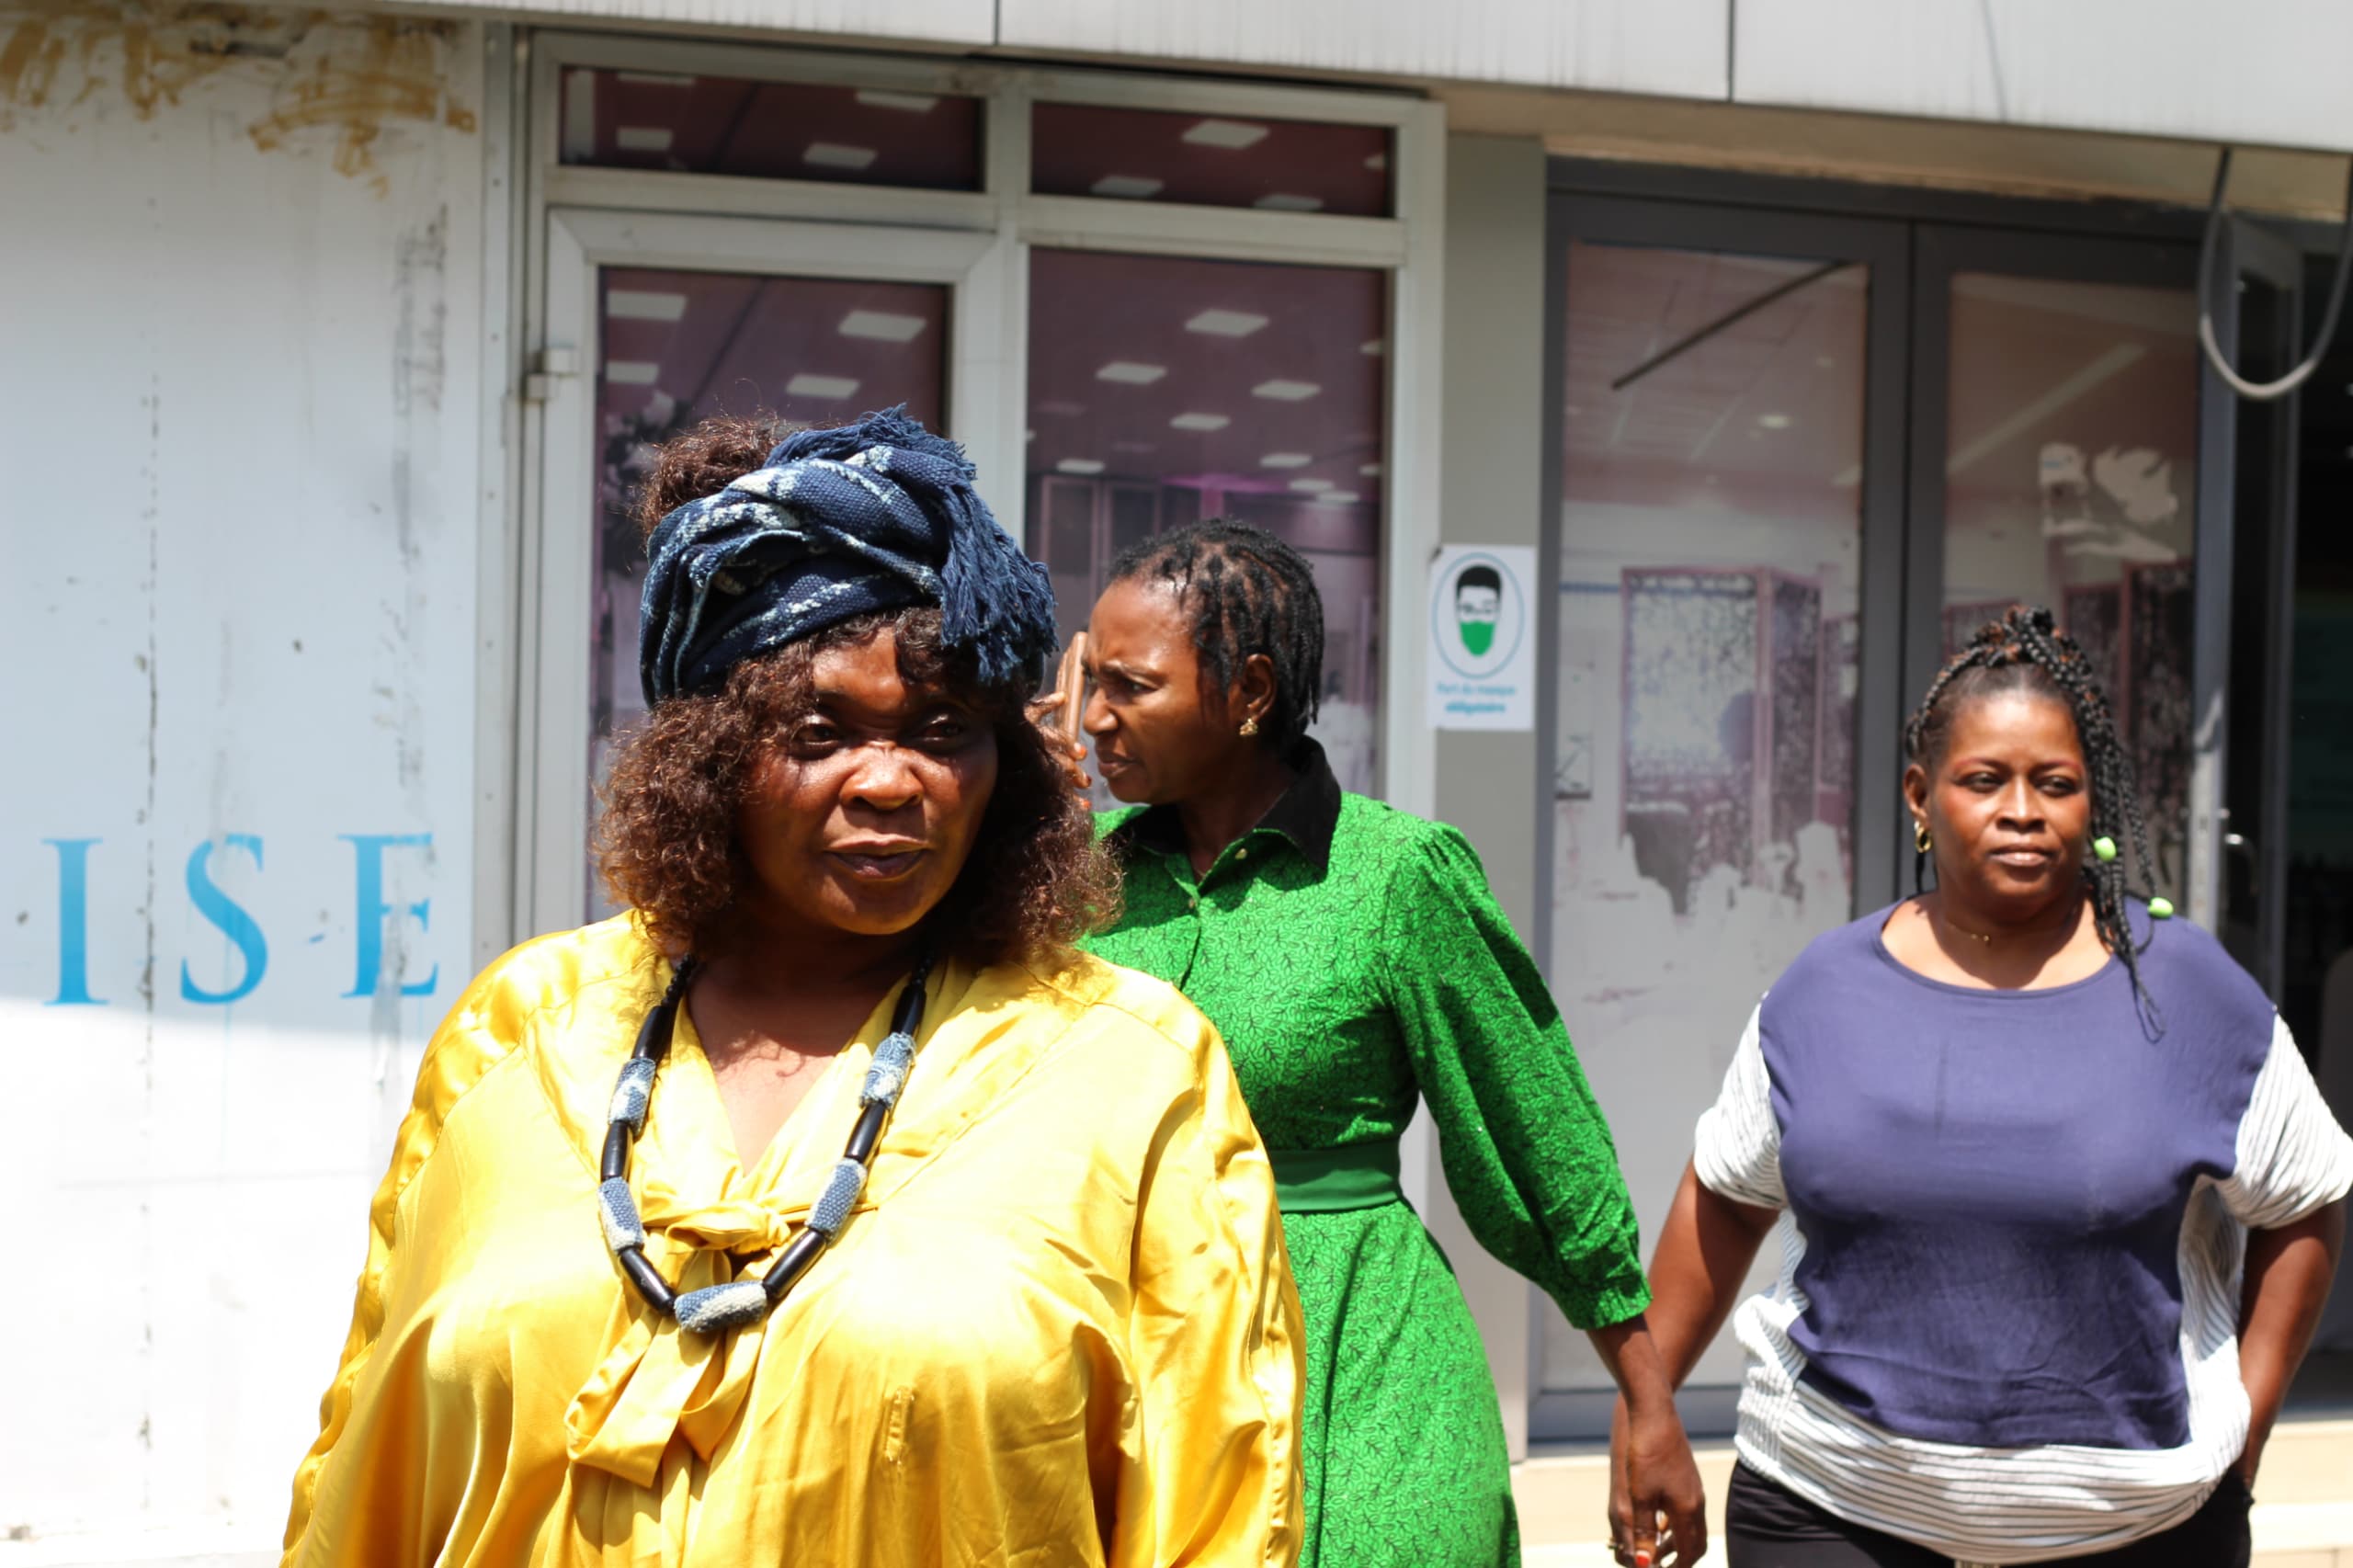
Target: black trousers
1768	1525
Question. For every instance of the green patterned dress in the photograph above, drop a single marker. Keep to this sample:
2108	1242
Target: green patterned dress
1354	959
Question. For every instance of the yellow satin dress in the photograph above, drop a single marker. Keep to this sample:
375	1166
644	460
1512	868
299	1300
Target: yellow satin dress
1059	1329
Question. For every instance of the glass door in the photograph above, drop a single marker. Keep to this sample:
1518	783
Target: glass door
1163	389
2056	461
1800	460
657	323
1724	527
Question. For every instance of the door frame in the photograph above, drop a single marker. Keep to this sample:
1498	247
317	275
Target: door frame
2256	560
553	767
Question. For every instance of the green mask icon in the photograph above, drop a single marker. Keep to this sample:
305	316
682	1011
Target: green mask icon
1478	605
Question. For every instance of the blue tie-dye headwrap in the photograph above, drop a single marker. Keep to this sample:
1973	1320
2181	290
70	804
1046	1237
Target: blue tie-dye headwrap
872	516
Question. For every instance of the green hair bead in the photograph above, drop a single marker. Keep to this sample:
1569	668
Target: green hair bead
2104	848
2161	908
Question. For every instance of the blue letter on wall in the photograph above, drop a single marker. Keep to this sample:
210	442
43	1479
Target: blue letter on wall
227	913
74	924
373	910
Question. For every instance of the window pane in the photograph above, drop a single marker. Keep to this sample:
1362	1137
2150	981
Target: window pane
680	346
1162	391
1282	166
1704	770
710	125
2071	480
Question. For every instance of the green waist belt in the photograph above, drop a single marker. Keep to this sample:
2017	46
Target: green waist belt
1331	1181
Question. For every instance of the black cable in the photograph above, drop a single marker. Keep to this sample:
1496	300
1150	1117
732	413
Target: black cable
2266	391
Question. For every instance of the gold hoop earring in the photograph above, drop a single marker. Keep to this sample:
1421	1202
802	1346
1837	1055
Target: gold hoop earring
1250	725
1922	839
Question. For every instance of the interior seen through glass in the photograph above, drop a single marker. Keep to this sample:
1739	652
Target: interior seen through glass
1165	390
680	346
2071	480
714	125
1704	767
1278	165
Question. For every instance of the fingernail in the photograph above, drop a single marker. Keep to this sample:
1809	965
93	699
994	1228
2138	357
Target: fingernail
1642	1559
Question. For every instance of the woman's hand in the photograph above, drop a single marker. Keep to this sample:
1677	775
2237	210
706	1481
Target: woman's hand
1658	1515
1056	713
1046	712
1657	1508
2288	1271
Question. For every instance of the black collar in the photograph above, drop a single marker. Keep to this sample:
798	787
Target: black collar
1307	814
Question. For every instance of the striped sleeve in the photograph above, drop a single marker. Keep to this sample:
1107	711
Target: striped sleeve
2292	1156
1737	1147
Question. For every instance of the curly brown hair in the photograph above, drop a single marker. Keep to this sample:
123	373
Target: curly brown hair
667	844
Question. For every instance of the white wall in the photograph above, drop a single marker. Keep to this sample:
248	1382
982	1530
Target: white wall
943	21
2258	71
1674	47
2264	71
239	413
1492	464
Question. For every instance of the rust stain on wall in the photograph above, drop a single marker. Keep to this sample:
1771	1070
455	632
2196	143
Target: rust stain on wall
150	55
340	83
377	73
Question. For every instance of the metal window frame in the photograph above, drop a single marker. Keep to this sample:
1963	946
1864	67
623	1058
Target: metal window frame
2264	546
519	877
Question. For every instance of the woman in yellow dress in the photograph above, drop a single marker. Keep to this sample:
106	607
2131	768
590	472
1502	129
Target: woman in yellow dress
827	1207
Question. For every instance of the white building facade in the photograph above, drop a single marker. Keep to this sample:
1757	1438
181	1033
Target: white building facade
1787	335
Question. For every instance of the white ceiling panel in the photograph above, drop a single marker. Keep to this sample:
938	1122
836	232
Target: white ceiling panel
1678	48
2255	71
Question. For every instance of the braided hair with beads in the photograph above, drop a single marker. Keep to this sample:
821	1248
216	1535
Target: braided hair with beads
1249	594
2025	651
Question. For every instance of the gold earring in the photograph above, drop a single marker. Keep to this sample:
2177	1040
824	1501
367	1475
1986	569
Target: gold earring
1922	839
1250	725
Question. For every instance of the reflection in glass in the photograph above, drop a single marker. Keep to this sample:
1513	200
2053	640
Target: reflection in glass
2071	480
712	125
679	346
1278	166
1163	389
1711	545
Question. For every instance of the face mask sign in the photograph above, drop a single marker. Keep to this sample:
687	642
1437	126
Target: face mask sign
1478	607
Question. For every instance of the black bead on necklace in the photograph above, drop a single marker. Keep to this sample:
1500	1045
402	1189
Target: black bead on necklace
717	1308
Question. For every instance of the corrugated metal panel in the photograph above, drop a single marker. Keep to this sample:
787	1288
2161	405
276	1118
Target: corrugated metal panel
943	21
2258	71
1673	47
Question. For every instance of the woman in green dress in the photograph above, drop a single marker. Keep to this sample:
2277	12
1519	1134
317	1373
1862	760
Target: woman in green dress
1355	961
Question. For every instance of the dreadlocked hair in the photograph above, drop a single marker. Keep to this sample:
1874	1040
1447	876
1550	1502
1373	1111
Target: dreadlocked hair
1249	594
2026	652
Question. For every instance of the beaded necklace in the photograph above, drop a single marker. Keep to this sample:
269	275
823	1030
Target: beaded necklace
717	1308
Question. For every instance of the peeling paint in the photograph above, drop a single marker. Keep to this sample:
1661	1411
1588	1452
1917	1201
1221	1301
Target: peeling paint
355	80
344	86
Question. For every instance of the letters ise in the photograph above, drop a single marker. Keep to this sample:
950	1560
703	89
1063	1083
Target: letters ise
235	921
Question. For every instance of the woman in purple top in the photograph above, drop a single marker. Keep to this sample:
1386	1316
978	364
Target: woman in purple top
2058	1201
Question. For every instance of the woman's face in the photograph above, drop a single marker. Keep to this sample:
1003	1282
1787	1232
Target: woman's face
2009	803
863	814
1162	732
